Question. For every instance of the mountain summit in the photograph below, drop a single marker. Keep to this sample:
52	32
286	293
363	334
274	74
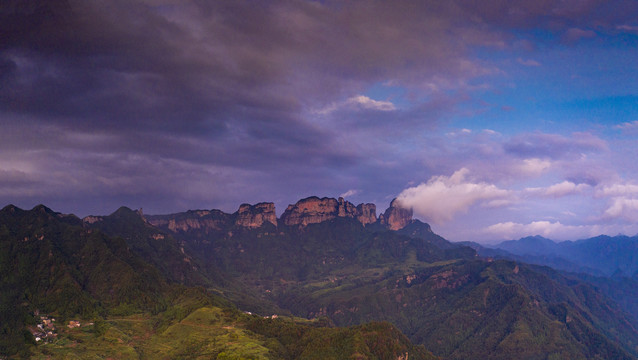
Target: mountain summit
311	210
314	210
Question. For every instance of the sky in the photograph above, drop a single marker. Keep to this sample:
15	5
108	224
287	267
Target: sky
491	119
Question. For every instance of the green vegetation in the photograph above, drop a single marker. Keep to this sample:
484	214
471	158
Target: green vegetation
54	264
156	247
211	332
437	293
136	284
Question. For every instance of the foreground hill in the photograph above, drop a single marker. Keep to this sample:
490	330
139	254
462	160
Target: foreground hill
56	268
321	259
51	263
210	332
132	276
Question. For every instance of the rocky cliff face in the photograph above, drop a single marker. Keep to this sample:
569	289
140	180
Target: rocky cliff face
367	213
314	210
92	219
396	217
203	220
254	216
311	210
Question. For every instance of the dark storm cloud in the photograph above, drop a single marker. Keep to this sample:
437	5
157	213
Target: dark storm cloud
132	85
195	67
125	63
179	104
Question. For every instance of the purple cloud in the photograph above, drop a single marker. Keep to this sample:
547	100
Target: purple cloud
212	104
439	199
554	146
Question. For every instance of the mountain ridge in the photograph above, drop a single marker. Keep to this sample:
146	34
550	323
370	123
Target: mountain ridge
599	255
440	294
310	210
59	265
338	267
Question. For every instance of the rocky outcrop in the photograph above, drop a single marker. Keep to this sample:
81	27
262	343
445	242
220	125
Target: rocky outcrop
367	213
314	210
92	219
311	210
254	216
206	221
203	220
396	217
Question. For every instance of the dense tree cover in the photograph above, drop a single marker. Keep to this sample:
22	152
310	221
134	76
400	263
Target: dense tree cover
376	340
438	293
600	255
132	278
608	263
58	265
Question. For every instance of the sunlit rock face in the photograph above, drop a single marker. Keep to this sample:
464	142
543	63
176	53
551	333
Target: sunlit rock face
92	219
254	216
202	220
367	213
311	210
396	217
314	210
188	224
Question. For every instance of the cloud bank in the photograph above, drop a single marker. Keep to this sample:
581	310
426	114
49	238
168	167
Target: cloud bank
442	197
173	105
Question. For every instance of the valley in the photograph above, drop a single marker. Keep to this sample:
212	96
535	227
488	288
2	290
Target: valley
346	283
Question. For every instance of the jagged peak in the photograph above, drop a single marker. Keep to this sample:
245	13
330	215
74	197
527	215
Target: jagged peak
254	216
396	216
124	211
42	209
268	206
11	208
313	209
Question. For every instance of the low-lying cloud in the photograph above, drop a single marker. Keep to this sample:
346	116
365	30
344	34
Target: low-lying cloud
552	230
558	190
442	197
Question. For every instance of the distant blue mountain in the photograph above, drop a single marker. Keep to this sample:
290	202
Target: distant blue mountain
601	255
531	245
608	263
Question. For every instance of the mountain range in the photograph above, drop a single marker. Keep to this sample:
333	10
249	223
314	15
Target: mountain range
608	262
600	255
346	282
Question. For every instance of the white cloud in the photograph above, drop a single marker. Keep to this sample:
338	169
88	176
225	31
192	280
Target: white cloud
618	190
559	190
575	34
551	230
499	203
623	201
534	166
460	132
350	192
371	104
628	28
528	62
628	126
442	197
625	208
358	102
